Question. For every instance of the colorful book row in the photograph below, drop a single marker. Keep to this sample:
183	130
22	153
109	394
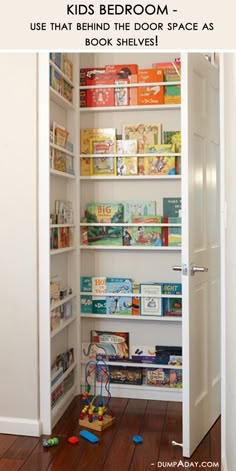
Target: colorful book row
150	303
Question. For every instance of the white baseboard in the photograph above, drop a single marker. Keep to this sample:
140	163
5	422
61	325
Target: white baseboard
18	426
224	466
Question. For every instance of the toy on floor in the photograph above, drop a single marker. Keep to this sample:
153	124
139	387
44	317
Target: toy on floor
137	439
96	413
50	442
73	440
89	436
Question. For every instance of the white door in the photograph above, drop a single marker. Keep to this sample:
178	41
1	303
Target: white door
201	246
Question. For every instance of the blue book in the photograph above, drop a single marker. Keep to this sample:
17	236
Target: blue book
118	304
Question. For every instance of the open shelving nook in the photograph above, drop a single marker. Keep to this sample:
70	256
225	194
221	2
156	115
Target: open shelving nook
69	263
200	172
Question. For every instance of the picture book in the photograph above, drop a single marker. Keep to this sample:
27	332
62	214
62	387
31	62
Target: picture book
102	165
56	58
87	134
63	212
173	137
172	306
125	375
70	164
107	351
86	284
104	212
126	72
126	147
103	235
135	299
127	166
143	353
145	134
150	95
59	161
116	342
100	97
119	304
86	304
60	135
67	66
159	164
172	236
172	207
67	91
159	377
122	93
141	235
176	380
99	287
85	167
56	81
151	302
138	208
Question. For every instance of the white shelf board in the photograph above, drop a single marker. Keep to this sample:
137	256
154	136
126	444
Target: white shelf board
152	154
130	224
130	108
134	177
65	151
59	409
131	248
64	376
60	100
137	364
61	225
56	173
144	392
128	295
128	85
62	326
58	251
62	301
133	318
62	74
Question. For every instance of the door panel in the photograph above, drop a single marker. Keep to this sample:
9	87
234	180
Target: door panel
201	236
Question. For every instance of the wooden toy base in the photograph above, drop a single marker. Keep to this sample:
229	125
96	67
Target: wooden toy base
96	424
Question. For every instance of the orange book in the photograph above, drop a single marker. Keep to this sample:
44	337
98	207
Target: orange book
150	95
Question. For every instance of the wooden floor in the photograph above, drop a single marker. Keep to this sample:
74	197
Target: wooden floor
158	422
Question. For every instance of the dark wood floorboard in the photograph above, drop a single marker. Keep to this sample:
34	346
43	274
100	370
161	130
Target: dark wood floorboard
158	422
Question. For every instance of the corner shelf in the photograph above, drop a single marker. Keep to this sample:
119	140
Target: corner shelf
56	173
61	302
62	326
63	377
62	74
60	100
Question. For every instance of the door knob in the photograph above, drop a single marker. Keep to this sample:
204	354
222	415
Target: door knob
194	269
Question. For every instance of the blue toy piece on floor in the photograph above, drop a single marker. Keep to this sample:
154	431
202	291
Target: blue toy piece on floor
137	439
89	436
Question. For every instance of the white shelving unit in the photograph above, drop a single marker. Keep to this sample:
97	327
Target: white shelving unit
62	262
144	264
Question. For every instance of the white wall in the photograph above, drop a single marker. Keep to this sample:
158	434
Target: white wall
18	244
229	383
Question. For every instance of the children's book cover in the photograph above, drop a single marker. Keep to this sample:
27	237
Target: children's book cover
159	377
102	165
173	137
141	235
85	166
87	134
135	299
176	380
172	207
172	306
122	93
159	164
104	212
59	161
126	147
172	236
86	304
116	342
86	284
107	351
147	219
151	94
104	235
119	304
151	302
145	134
127	166
138	208
99	287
